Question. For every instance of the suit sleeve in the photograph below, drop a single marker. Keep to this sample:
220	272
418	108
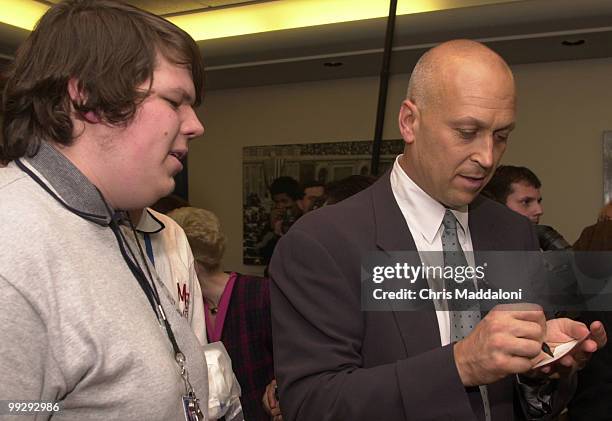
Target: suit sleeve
318	327
545	400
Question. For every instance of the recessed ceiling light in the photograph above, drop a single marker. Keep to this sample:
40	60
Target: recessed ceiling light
573	43
333	64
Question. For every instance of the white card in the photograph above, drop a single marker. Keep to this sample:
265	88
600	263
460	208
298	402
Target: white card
559	351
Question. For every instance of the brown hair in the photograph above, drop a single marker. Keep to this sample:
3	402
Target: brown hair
169	203
110	48
500	186
339	190
605	213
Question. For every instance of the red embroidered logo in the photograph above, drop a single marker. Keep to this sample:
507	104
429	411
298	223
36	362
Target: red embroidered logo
183	298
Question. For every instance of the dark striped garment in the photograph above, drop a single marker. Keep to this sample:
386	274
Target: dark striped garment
247	336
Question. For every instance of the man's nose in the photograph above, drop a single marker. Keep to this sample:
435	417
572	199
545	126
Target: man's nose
538	209
192	126
484	153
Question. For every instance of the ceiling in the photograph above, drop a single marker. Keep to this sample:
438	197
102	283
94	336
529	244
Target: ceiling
526	31
167	7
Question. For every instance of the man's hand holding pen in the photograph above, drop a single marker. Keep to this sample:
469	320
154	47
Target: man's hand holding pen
511	337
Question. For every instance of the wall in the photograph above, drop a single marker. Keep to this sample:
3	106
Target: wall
563	109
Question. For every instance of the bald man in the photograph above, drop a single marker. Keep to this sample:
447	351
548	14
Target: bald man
334	361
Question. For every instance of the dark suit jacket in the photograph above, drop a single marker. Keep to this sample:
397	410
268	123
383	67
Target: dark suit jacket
336	362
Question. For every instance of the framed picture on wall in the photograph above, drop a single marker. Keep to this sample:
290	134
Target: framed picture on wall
607	166
311	163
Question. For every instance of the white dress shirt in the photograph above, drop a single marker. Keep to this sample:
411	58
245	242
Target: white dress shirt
423	215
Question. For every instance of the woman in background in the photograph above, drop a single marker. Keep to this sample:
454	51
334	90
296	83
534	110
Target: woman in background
237	313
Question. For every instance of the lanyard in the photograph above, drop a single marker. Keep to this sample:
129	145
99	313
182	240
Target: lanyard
149	247
149	288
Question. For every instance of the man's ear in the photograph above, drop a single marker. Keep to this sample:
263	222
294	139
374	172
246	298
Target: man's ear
77	96
408	121
74	92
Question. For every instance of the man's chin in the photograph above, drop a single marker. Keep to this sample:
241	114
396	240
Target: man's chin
168	189
460	200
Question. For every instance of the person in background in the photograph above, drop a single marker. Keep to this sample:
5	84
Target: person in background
286	194
590	402
339	190
98	114
519	189
313	191
599	235
168	251
237	312
168	203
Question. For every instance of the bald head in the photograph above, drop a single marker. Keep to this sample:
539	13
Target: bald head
456	120
444	64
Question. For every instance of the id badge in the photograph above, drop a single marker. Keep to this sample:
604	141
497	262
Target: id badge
191	407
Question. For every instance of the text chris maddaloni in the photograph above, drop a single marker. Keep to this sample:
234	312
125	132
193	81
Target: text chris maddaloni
455	294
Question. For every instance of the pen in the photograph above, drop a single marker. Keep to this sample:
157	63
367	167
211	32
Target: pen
546	349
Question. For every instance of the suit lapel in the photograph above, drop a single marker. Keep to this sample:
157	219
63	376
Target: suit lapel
419	329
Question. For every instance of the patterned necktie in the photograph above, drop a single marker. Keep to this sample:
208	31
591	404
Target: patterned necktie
463	317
